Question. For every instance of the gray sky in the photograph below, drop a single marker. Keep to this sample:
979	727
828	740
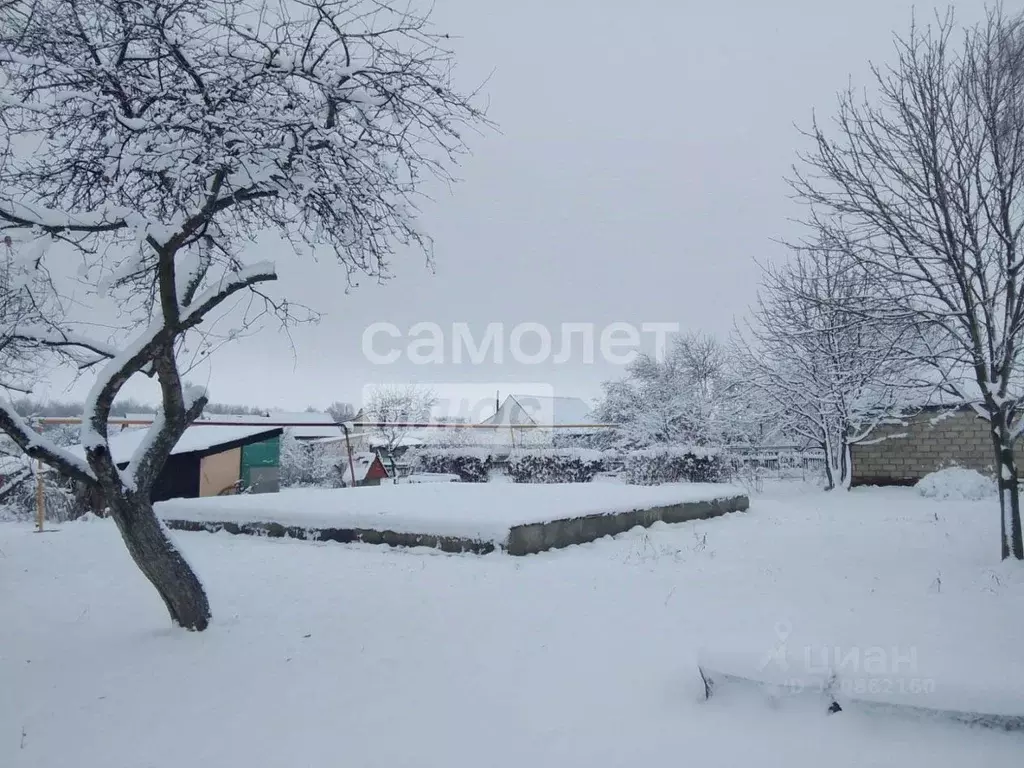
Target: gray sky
638	172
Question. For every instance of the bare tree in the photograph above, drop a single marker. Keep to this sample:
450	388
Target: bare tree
341	412
158	140
393	408
928	181
824	352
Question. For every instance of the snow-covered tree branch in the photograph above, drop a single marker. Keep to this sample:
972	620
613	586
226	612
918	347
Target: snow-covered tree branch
160	140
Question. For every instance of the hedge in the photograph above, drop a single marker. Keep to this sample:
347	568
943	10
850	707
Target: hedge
471	465
555	466
654	466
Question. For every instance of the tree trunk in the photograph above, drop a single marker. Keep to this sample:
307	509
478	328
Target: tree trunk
161	562
830	480
1012	543
846	468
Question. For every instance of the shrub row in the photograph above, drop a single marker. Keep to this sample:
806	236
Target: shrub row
559	466
471	465
654	466
644	467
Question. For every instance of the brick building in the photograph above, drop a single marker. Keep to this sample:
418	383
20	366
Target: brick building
933	439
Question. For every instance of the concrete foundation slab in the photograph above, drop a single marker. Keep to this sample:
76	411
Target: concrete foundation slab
523	539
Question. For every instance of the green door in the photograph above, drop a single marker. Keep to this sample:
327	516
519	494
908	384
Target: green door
257	456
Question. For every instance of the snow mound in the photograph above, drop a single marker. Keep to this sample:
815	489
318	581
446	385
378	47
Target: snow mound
956	484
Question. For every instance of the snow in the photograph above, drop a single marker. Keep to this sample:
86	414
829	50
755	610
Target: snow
956	483
198	437
481	511
431	477
579	657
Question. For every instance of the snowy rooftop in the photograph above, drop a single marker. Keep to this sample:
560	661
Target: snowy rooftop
479	511
538	409
361	463
198	437
319	424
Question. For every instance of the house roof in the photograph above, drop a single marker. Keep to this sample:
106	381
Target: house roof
414	438
361	463
199	438
320	424
545	411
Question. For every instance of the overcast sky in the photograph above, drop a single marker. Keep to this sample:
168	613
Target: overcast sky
638	171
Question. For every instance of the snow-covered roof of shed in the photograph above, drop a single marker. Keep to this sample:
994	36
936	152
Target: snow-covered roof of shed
361	463
320	424
198	437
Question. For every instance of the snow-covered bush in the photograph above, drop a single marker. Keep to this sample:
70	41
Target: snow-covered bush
694	393
305	464
671	464
956	484
472	465
20	498
554	466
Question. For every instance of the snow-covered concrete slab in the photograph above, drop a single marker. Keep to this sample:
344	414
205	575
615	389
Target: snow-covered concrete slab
521	519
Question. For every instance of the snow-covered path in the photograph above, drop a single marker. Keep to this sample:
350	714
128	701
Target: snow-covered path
325	654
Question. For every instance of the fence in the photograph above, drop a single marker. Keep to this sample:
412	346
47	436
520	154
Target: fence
782	465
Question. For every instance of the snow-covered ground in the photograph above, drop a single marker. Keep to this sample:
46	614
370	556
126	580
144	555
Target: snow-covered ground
323	654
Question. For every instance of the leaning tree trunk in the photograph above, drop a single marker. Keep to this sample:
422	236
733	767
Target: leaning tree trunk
1012	542
161	562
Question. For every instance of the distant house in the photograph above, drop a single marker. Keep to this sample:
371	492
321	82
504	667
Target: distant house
541	411
209	460
903	452
369	469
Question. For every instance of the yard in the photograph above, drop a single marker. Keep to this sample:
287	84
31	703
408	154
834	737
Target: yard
325	654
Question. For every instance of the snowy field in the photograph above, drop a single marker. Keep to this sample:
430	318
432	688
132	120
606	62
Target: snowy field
329	654
480	511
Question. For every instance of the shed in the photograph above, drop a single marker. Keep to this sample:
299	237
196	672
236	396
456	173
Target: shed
209	460
369	469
